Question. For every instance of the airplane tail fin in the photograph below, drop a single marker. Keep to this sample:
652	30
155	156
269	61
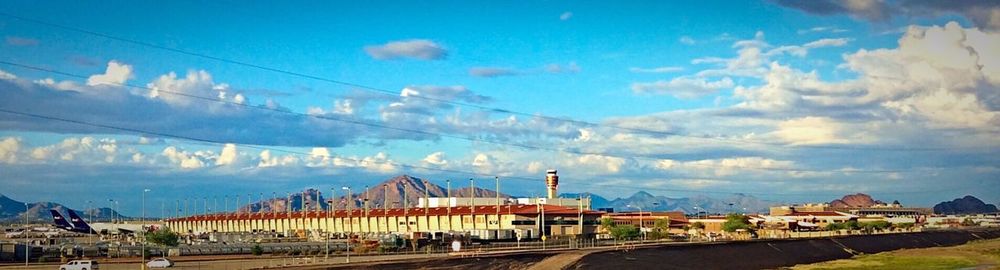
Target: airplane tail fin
60	221
78	222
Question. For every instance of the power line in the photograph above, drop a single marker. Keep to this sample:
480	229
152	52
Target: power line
451	102
471	139
521	178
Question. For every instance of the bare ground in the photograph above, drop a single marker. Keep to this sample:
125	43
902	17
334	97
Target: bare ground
982	254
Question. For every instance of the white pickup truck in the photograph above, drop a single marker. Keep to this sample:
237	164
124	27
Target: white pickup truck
80	265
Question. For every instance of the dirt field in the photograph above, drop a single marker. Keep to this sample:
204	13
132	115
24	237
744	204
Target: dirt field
737	255
982	254
774	254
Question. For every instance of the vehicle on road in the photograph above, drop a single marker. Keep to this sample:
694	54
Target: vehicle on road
80	265
160	263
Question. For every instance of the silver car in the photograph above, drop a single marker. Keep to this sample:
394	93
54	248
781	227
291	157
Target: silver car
160	263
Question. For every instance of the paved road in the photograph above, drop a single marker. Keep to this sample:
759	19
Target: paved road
247	263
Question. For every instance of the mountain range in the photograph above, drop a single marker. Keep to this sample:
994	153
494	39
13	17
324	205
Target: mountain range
690	205
13	211
392	189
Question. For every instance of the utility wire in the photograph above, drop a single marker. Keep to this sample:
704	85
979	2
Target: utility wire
451	102
471	139
521	178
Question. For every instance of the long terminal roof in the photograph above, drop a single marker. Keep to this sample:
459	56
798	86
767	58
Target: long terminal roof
516	209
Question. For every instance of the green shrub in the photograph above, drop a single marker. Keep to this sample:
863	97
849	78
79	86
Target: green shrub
698	225
163	237
624	232
736	222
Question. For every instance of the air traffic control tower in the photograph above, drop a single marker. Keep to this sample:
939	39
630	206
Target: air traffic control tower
551	183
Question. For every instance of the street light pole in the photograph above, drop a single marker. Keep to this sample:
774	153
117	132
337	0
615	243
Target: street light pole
427	203
579	213
497	178
90	216
326	221
27	241
472	201
406	219
350	199
143	229
642	225
112	216
449	204
543	225
640	221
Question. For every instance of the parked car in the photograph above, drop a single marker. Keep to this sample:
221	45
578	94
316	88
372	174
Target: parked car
160	263
80	265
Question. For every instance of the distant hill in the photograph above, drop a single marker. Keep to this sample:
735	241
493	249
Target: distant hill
392	188
855	200
596	201
649	202
964	205
13	211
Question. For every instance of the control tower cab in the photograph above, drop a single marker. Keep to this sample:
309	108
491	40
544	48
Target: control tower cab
551	183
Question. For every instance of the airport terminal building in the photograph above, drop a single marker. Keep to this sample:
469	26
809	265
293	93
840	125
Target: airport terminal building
485	222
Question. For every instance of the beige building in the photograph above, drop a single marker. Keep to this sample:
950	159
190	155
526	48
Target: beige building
713	224
814	220
485	222
888	210
646	221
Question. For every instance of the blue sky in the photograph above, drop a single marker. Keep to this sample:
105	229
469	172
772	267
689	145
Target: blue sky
793	101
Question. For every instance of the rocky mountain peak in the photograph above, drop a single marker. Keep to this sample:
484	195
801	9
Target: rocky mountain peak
855	200
965	205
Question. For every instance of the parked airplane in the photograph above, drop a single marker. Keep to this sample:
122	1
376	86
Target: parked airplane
77	224
33	231
60	221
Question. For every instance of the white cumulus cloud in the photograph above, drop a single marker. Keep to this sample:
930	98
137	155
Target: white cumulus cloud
115	75
436	158
415	48
9	148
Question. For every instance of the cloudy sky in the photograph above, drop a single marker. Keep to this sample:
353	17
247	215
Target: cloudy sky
795	101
